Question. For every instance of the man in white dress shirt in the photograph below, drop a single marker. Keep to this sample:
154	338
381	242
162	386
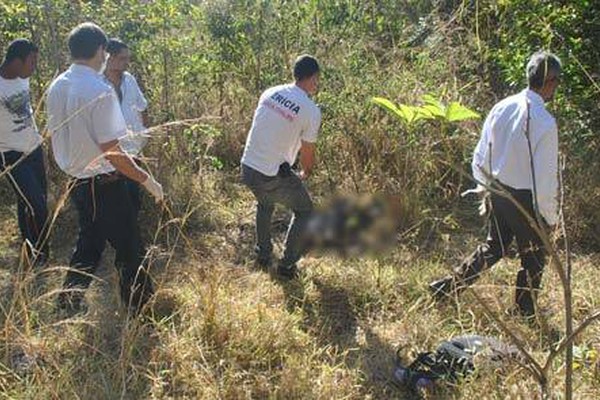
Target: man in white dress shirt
133	104
286	124
86	123
518	154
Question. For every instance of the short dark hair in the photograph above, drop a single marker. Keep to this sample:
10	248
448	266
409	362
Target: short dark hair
115	45
85	40
539	66
305	67
19	49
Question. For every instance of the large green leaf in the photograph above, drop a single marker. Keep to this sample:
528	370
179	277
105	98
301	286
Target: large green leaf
429	99
423	113
457	112
408	112
436	111
399	112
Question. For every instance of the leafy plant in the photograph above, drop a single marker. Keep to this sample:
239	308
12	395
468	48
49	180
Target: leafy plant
433	109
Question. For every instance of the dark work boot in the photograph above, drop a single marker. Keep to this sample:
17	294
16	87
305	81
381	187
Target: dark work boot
136	290
524	295
442	288
263	257
263	261
287	272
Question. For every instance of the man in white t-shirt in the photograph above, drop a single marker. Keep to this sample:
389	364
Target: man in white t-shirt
21	155
286	124
86	123
133	104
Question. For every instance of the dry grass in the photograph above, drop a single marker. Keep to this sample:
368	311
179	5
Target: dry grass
223	329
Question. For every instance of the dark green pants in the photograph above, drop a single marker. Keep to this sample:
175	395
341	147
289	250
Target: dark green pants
288	191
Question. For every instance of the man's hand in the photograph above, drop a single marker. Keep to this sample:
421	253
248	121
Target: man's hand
484	198
122	162
154	188
303	175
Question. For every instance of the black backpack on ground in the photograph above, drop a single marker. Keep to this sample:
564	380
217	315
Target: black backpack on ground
453	360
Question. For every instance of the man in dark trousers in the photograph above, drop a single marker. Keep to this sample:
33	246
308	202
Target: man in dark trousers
21	155
518	155
286	123
86	124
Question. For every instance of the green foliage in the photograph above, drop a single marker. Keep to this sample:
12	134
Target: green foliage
568	29
432	109
514	29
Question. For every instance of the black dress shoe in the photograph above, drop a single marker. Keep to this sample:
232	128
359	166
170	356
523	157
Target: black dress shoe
442	288
287	272
263	262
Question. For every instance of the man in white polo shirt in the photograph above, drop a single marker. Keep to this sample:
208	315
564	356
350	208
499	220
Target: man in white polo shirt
21	155
86	124
286	123
517	154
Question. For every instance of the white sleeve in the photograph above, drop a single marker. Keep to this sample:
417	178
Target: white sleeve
310	133
140	101
52	109
546	171
106	118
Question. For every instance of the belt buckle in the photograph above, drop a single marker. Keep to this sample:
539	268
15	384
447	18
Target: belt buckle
105	178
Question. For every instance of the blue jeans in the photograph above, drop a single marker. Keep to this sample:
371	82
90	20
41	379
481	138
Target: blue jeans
288	191
28	180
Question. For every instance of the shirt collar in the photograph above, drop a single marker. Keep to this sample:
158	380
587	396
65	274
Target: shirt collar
83	69
534	98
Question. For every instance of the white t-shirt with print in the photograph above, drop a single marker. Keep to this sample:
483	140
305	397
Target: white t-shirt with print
18	131
285	117
133	103
83	112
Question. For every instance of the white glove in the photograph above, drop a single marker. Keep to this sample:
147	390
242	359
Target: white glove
484	197
154	188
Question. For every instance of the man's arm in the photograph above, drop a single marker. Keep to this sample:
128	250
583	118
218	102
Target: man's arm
141	102
125	165
307	158
145	118
546	171
108	126
480	164
122	162
308	140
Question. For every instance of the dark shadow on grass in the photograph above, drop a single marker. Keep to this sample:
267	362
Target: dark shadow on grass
246	236
334	322
118	346
373	356
294	292
117	353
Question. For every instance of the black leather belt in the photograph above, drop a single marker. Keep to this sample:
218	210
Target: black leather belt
102	179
